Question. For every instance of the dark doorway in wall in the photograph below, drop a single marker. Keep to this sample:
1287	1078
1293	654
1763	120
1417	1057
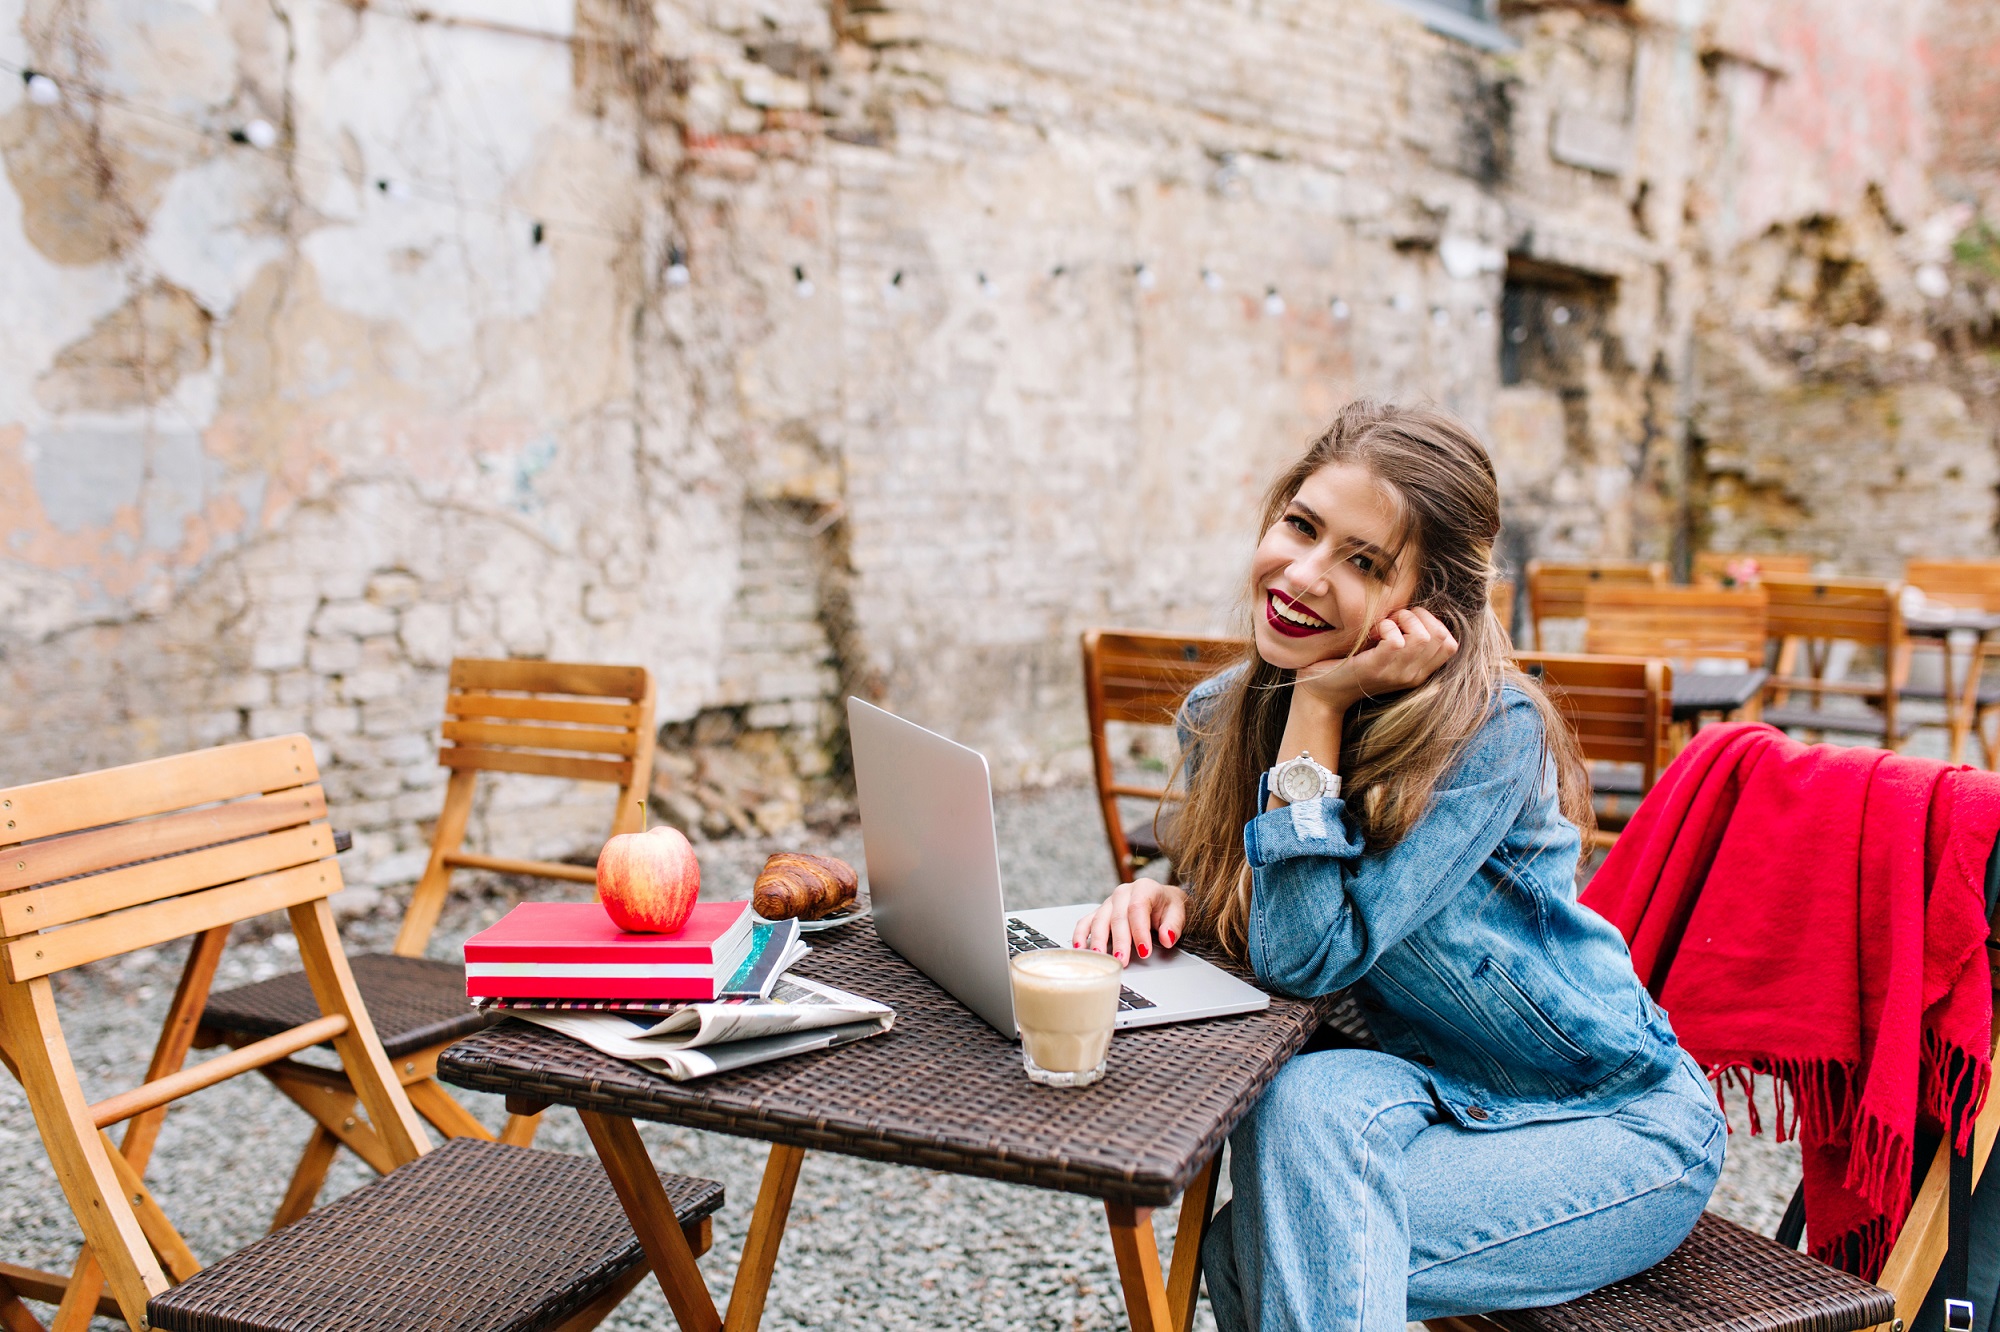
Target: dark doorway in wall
1551	319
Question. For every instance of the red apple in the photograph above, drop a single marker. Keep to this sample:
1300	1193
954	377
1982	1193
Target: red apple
648	881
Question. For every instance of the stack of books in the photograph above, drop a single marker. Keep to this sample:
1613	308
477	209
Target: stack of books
570	954
708	998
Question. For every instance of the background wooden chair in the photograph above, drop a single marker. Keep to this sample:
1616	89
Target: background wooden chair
1556	587
1621	709
1711	567
107	863
1132	675
542	718
1962	585
1815	614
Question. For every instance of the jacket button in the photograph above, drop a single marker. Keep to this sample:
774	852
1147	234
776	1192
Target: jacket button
1477	1112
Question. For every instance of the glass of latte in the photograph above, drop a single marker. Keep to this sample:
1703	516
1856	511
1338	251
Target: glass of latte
1065	1003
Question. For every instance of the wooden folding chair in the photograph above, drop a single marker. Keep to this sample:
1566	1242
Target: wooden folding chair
1556	588
1972	585
1133	675
1711	567
542	718
100	865
1814	614
1621	709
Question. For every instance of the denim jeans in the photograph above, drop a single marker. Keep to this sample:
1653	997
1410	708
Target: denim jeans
1360	1204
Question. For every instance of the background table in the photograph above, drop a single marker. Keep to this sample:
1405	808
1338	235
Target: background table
1723	691
944	1091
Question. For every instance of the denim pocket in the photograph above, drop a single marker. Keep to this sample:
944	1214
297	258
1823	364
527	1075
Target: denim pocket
1529	1013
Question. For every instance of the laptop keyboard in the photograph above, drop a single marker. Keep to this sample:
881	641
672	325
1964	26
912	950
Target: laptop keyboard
1023	938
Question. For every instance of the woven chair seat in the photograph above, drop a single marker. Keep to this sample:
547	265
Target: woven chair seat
1804	717
472	1237
1723	1278
416	1003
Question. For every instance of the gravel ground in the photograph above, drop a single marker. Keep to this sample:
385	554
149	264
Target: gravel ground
868	1244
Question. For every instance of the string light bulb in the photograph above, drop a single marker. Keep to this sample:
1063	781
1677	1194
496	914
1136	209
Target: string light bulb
42	90
1211	279
677	268
894	286
986	287
393	190
536	233
260	134
1142	276
1338	308
1274	304
1440	316
801	283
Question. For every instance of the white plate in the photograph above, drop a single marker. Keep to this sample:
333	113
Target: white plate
847	915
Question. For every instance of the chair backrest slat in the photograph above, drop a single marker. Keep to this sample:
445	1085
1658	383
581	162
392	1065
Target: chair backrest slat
1966	584
1711	567
466	757
1677	623
135	885
161	922
572	738
480	675
158	786
149	839
520	707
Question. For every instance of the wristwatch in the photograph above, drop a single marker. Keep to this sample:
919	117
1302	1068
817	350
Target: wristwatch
1301	779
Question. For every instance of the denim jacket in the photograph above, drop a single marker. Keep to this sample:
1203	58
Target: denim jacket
1464	943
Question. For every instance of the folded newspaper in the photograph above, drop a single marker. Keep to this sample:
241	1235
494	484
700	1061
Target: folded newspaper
699	1039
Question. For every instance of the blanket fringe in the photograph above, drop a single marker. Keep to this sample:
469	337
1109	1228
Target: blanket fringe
1813	1095
1956	1083
1862	1252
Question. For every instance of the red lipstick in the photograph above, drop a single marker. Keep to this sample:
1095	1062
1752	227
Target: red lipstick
1273	597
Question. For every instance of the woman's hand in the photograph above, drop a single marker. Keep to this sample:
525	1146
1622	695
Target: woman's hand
1404	651
1131	917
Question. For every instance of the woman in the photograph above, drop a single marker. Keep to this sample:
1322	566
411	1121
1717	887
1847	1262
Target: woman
1378	799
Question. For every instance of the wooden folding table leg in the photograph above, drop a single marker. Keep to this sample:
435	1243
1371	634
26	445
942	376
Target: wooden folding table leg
652	1216
1184	1275
767	1232
1139	1267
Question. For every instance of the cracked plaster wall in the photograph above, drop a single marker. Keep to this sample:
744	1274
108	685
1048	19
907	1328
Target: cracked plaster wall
283	431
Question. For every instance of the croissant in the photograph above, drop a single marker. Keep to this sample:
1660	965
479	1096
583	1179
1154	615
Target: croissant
795	884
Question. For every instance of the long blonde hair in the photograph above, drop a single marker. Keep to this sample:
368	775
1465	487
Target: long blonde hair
1394	749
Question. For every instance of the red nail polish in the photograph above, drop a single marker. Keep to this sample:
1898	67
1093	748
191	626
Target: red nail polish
1144	951
1168	938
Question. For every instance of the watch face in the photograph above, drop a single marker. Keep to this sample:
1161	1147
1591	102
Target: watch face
1298	781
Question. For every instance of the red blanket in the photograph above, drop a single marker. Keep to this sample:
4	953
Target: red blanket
1818	914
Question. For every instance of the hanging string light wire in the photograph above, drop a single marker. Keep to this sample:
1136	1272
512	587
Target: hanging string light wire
399	187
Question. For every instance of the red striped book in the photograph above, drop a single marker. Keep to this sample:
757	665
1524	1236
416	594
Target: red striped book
571	950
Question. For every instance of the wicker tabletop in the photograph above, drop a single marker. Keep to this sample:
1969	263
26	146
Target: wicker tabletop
941	1090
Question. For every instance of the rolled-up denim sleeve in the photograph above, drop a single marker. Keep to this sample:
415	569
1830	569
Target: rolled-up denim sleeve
1322	909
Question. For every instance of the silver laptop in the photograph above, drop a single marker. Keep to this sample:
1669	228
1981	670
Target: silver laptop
934	883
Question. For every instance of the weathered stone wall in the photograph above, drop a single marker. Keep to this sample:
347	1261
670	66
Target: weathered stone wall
793	350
